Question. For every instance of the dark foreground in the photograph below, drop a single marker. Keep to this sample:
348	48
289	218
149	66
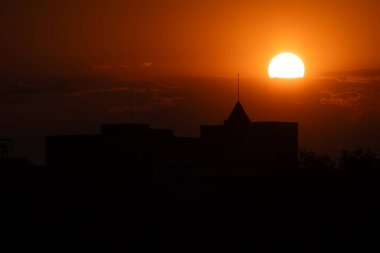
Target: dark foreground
306	209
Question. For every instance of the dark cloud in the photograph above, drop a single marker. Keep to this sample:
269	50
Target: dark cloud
29	87
89	95
78	86
156	100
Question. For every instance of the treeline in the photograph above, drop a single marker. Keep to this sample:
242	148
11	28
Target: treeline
358	159
323	200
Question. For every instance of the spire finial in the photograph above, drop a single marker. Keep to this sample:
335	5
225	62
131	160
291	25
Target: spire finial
238	87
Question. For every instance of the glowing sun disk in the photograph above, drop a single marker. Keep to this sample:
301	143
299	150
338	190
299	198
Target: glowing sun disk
286	65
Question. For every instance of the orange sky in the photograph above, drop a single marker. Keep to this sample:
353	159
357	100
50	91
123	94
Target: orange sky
198	37
68	66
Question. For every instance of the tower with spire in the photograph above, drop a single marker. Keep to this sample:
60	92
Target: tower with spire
242	142
238	117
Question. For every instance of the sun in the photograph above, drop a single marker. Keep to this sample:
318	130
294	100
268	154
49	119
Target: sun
286	65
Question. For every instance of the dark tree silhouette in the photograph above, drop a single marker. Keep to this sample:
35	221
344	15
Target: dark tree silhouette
314	162
6	148
358	160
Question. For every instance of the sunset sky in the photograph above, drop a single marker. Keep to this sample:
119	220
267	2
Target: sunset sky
67	66
186	37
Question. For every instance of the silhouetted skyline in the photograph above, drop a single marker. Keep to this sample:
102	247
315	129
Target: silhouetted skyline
334	113
153	142
258	146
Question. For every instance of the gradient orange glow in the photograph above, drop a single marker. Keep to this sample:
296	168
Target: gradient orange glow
205	37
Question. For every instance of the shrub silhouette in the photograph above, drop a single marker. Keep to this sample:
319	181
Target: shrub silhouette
314	162
358	160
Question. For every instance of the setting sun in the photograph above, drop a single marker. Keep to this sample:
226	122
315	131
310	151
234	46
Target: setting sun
286	65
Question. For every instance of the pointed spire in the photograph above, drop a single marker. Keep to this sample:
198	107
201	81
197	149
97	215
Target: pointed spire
238	116
238	86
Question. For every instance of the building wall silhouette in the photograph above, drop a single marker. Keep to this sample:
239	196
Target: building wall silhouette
237	143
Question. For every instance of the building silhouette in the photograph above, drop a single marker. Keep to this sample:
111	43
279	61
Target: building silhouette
237	143
242	142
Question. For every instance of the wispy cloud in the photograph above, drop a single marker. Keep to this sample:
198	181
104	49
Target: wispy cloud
146	64
78	86
350	100
158	100
104	90
161	84
121	68
124	66
344	99
370	75
97	67
165	100
134	108
147	95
